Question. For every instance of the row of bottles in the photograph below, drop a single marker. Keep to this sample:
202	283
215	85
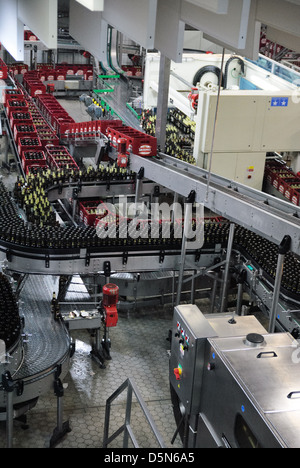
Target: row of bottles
179	146
30	142
180	133
25	128
30	194
265	254
182	122
16	103
15	230
34	155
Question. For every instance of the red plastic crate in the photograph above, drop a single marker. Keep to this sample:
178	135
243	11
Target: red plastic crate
24	130
50	111
22	68
87	212
58	155
55	114
40	122
60	75
103	125
11	94
66	165
88	128
54	159
20	118
48	138
29	36
137	142
295	197
26	144
36	87
33	158
59	120
35	169
14	105
41	99
16	101
51	75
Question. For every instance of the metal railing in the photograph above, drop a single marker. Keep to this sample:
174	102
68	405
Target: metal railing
131	387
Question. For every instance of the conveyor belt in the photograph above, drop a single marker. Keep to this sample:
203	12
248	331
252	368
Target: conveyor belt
261	213
46	346
48	341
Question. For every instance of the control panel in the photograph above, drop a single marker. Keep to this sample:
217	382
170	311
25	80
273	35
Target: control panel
189	333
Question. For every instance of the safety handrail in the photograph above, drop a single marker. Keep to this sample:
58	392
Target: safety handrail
126	427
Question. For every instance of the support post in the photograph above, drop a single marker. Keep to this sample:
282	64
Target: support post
283	249
163	100
240	281
213	295
188	207
62	428
227	265
8	386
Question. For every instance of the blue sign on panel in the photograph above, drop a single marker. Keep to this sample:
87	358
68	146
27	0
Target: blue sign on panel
280	102
284	102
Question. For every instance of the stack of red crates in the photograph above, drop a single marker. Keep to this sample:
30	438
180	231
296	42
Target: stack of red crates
17	104
33	84
86	129
137	142
24	130
18	69
18	117
53	112
283	179
132	70
11	94
33	159
29	143
58	157
47	136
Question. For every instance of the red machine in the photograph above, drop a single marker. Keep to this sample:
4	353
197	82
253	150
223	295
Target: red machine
122	153
109	303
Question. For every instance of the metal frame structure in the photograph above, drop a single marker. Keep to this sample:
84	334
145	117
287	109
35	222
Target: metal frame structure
131	387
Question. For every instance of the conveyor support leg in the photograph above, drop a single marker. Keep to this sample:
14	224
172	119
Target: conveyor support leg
62	428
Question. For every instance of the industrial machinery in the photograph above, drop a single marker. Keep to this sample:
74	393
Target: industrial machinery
233	385
109	318
250	103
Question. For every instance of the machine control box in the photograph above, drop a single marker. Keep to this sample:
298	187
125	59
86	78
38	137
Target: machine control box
189	334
